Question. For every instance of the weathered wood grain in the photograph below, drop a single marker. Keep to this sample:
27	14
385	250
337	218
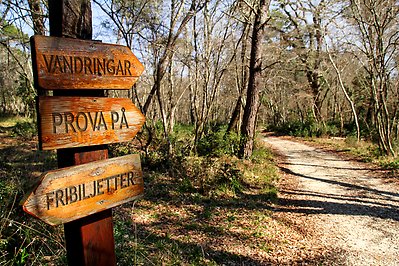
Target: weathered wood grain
71	193
65	63
67	122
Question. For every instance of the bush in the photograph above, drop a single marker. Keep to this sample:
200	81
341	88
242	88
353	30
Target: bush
25	130
214	171
309	128
217	143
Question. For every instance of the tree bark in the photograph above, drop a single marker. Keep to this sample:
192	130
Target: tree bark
240	83
248	127
235	116
37	17
352	104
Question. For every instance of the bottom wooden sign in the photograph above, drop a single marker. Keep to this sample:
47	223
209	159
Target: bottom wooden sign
71	193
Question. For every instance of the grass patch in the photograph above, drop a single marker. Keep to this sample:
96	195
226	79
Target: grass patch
364	151
24	240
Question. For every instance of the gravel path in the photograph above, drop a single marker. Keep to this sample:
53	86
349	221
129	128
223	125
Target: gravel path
351	210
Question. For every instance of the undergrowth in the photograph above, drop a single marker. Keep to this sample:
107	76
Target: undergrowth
211	181
23	239
204	195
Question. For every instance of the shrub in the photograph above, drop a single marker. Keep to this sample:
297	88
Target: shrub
217	143
308	128
25	130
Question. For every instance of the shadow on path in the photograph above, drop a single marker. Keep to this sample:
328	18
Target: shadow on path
360	204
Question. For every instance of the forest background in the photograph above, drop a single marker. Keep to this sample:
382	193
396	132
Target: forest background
312	67
218	69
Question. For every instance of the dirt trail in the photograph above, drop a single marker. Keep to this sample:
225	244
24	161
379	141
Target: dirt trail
353	212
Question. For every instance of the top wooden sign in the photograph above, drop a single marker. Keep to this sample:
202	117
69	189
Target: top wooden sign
63	63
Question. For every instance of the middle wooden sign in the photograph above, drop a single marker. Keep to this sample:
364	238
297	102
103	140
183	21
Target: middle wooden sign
67	122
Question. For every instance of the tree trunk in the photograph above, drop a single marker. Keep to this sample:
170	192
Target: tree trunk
235	116
243	74
248	126
37	17
352	104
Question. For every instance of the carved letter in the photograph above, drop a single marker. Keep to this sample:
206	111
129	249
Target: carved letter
107	184
84	192
49	199
123	180
80	65
116	182
102	122
73	194
87	65
101	67
81	114
67	65
130	180
59	194
119	69
69	121
93	123
99	186
48	64
114	118
57	64
127	67
80	192
57	121
110	66
94	189
124	120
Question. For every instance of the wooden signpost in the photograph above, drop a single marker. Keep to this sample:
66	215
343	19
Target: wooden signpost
71	193
63	63
67	122
78	121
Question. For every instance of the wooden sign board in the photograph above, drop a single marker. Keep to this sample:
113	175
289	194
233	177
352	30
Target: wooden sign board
71	193
63	63
67	122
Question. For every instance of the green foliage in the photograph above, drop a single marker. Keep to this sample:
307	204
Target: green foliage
217	143
391	165
261	154
27	93
26	130
309	128
229	178
24	240
181	139
12	32
134	247
216	172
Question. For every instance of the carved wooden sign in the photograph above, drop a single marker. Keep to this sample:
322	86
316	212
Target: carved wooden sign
71	193
63	63
66	122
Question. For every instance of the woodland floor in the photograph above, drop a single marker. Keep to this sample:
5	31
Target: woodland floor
330	211
352	210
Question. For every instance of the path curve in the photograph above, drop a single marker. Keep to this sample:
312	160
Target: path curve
352	210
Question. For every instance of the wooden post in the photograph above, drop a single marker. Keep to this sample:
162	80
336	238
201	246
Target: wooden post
90	240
